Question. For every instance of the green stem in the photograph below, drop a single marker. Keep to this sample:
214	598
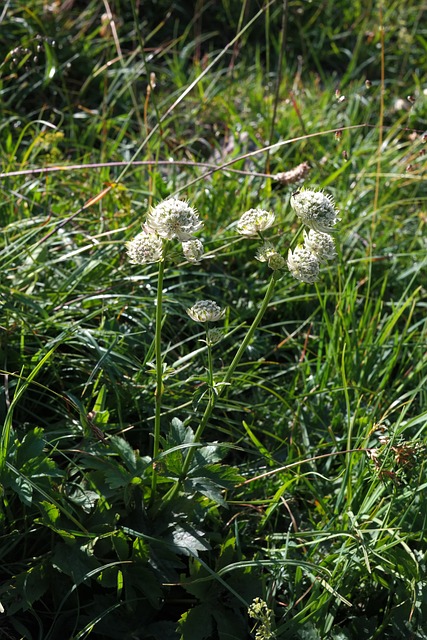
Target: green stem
159	376
217	393
267	297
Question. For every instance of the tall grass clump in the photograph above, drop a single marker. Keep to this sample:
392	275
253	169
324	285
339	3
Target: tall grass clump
213	331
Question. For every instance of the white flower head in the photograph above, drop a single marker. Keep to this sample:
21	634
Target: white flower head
315	209
303	265
255	221
267	253
144	248
322	245
206	311
193	250
173	218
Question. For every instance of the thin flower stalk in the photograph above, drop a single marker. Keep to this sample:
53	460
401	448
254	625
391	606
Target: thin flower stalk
219	390
159	377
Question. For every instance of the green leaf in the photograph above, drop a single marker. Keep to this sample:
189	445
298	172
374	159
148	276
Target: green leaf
223	475
76	562
23	488
188	541
28	587
207	488
196	624
30	447
229	622
179	434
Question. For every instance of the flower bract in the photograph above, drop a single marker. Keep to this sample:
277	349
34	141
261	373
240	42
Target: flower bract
267	253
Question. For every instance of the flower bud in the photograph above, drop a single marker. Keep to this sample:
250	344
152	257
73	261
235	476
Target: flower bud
193	250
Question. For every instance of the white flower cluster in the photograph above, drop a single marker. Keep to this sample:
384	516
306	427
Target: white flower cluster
317	211
174	218
146	247
253	223
206	311
170	219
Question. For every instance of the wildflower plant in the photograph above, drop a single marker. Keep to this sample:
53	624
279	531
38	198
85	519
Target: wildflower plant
171	219
174	219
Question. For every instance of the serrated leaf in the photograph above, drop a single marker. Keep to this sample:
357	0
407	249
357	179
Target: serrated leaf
23	488
85	498
140	550
230	623
50	513
207	488
208	455
126	452
179	434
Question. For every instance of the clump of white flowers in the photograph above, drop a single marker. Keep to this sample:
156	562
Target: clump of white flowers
322	245
146	247
317	211
262	615
303	264
206	311
254	222
170	219
173	218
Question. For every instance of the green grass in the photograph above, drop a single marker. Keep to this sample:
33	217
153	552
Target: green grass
308	487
